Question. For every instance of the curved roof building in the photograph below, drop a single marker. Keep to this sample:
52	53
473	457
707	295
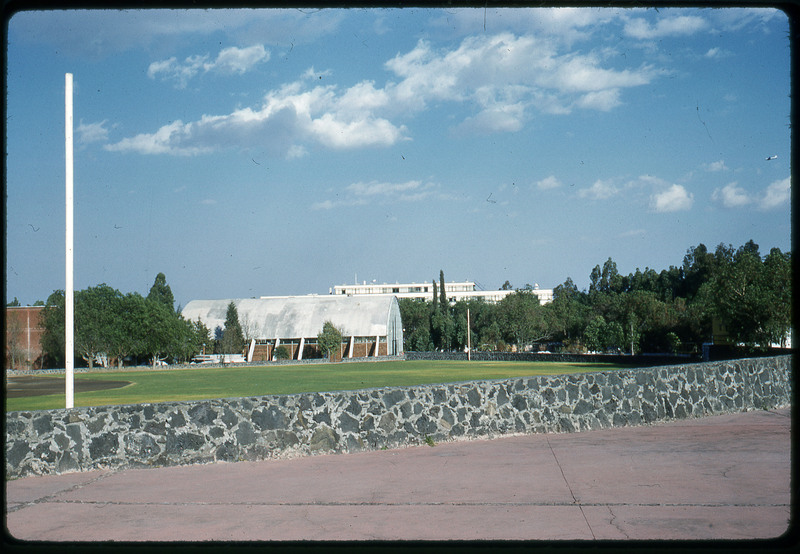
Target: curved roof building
371	326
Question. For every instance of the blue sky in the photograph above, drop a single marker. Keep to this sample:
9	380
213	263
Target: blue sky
269	152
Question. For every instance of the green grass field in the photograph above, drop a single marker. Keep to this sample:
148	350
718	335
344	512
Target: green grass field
206	383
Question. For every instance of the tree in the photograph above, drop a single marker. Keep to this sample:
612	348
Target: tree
15	353
522	319
752	298
202	336
54	323
13	303
778	279
232	337
329	339
160	292
593	335
442	326
416	316
126	337
281	353
567	315
95	314
159	329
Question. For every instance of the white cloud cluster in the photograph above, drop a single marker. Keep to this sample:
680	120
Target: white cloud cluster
91	132
668	26
665	198
731	196
673	199
550	182
734	196
501	78
287	118
504	76
229	60
600	190
716	166
99	34
357	194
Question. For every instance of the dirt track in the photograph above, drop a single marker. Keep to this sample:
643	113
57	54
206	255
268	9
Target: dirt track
18	387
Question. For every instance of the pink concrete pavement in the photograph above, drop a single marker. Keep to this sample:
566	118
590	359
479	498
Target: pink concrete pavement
721	477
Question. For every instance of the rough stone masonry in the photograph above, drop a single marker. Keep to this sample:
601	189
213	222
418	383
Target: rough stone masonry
234	429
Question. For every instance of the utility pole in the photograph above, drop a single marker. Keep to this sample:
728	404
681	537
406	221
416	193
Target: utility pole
69	305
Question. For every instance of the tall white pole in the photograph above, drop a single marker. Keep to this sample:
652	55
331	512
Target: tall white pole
69	306
469	340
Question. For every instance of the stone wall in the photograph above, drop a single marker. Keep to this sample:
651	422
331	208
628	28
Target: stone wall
176	433
640	360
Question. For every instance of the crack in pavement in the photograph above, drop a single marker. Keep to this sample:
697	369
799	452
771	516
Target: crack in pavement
612	522
575	500
460	504
51	498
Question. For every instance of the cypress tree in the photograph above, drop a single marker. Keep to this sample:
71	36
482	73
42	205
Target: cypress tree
162	293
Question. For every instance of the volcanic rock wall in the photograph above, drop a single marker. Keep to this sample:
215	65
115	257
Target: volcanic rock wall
234	429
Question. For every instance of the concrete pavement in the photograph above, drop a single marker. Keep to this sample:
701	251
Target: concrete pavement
720	477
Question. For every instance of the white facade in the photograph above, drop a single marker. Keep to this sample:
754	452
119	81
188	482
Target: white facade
301	318
455	291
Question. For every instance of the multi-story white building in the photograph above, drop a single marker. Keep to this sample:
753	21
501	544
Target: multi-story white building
455	291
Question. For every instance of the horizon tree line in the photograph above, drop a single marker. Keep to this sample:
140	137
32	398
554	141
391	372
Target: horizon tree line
646	311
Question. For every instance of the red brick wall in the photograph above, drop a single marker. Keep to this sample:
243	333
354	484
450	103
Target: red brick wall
24	330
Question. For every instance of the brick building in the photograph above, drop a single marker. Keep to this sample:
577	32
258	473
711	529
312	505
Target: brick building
24	330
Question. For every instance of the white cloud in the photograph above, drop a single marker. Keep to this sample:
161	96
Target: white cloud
731	196
603	100
229	60
665	27
170	69
566	25
716	53
505	75
502	78
633	233
99	34
288	118
716	166
238	60
92	132
550	182
376	188
600	190
167	140
673	199
359	194
776	194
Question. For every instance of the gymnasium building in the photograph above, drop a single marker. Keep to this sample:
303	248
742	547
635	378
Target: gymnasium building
370	325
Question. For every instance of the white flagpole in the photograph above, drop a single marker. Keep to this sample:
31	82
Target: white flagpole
469	340
69	306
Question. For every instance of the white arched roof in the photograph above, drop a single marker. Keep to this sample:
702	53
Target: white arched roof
302	316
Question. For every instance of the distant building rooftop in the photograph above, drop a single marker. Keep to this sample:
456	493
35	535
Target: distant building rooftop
455	291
